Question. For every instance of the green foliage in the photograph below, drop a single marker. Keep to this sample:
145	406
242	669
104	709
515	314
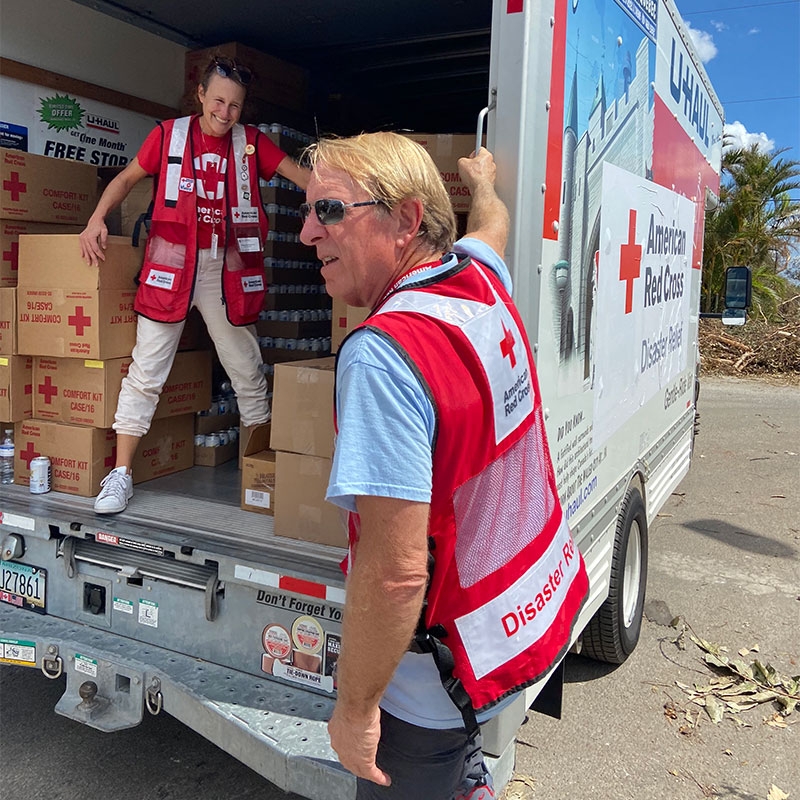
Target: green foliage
756	224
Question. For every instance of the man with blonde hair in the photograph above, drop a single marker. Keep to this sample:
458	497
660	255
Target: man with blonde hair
441	461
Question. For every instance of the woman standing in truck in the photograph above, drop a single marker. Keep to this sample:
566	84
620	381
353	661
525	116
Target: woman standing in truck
204	250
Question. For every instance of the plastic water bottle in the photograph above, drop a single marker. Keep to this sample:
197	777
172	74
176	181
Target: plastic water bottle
7	457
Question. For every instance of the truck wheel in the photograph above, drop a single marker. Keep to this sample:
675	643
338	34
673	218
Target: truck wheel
613	632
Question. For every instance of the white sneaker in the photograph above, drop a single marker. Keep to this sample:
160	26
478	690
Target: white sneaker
117	489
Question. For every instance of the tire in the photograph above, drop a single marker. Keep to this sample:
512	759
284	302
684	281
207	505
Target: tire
613	632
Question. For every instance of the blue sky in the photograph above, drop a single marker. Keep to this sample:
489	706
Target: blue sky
751	52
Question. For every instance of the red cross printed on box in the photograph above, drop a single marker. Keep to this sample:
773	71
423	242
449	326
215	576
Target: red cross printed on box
630	261
48	390
28	454
79	321
15	186
28	388
507	346
12	256
111	460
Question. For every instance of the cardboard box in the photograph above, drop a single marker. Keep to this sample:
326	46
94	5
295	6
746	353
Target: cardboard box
214	456
302	407
16	383
121	221
208	423
10	231
301	511
167	447
445	149
258	482
85	391
274	81
81	456
54	262
8	322
188	387
345	318
41	189
75	323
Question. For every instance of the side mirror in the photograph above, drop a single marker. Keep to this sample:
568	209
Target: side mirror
738	291
738	287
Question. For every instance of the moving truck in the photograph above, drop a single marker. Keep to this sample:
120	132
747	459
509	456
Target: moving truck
608	136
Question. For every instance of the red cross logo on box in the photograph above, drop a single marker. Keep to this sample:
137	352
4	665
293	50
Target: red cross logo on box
630	261
15	186
28	454
79	321
12	256
48	390
507	346
111	460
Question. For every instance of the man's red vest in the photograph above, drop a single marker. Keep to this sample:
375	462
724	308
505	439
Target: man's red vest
507	582
166	281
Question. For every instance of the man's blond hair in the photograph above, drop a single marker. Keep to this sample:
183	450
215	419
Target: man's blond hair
392	168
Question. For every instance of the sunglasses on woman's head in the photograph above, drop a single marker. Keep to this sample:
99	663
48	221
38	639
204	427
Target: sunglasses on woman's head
331	212
231	69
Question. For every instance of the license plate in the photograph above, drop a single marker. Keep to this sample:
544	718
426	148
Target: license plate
23	586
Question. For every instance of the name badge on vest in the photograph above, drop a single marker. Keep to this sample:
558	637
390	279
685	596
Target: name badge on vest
246	230
186	184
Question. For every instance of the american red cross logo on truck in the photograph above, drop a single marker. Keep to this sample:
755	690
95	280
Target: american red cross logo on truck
15	186
48	390
28	454
630	261
507	346
12	255
79	321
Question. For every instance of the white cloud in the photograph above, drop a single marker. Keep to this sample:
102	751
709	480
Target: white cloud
703	43
740	137
753	30
718	26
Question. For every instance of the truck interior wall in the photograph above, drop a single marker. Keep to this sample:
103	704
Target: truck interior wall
72	40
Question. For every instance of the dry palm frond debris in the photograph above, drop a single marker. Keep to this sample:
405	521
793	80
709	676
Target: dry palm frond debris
736	685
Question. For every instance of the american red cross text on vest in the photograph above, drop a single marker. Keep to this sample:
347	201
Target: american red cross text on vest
28	454
507	346
48	390
630	261
79	321
12	256
15	186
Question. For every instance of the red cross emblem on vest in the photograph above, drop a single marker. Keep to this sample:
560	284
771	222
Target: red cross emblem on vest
79	321
15	186
630	261
48	390
507	346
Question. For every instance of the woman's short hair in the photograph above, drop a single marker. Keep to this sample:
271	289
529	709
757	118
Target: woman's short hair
392	168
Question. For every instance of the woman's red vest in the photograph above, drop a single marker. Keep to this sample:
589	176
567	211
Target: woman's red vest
507	581
166	280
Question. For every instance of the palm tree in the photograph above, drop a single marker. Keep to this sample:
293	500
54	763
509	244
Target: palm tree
757	224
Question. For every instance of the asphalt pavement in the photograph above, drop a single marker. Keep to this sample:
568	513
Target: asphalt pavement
724	559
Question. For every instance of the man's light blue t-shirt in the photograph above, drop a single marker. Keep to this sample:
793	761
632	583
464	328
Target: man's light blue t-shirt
384	448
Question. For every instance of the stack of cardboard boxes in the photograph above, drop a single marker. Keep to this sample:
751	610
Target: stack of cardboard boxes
302	438
77	326
37	195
